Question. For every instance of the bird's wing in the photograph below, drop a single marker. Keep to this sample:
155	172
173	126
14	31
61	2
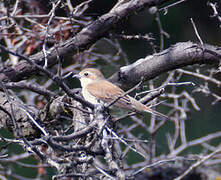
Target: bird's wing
107	92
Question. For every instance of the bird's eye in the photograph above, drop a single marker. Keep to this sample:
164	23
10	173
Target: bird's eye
86	74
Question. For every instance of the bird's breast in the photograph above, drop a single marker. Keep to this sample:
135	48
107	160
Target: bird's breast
88	97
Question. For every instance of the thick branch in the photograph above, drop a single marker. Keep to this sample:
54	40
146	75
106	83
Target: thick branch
177	56
83	40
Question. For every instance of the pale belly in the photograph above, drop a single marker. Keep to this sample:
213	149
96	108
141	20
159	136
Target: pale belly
88	97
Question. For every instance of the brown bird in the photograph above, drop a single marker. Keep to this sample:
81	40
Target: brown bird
96	88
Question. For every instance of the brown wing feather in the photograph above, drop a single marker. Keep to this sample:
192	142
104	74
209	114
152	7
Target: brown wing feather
108	92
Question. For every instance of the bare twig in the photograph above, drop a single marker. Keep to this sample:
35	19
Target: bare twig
196	32
198	163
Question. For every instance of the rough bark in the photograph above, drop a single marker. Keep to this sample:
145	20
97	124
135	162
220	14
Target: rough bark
177	56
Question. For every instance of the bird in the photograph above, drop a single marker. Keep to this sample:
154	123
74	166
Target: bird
97	89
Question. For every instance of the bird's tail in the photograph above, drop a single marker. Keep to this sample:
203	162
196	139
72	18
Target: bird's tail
147	109
141	107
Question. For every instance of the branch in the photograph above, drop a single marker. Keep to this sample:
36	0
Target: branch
198	163
83	40
177	56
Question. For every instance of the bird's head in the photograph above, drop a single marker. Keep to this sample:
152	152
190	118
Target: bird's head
89	75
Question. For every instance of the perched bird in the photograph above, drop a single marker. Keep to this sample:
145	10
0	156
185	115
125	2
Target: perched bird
95	88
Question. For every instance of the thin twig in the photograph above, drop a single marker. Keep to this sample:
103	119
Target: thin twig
198	163
196	32
35	122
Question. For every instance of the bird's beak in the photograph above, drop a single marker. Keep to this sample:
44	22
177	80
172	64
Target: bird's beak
76	76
